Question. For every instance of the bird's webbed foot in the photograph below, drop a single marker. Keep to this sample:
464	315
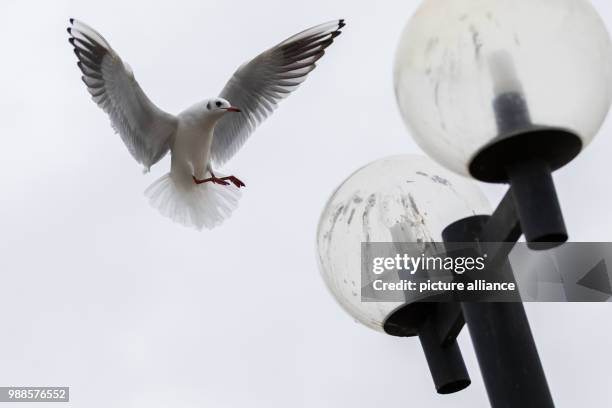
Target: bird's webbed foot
235	181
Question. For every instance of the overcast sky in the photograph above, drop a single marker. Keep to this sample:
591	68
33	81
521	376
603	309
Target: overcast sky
102	294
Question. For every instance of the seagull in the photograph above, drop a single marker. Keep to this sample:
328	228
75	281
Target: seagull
209	132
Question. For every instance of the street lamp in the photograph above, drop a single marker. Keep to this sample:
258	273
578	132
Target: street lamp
466	71
405	198
506	92
496	90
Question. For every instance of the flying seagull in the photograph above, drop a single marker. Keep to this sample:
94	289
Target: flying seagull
209	132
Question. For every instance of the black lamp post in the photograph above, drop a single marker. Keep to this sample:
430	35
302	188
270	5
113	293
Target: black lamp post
482	86
502	92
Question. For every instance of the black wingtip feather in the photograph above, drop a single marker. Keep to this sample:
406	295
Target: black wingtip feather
69	30
335	34
72	21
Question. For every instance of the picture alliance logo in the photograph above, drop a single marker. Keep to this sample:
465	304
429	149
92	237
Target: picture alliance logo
429	264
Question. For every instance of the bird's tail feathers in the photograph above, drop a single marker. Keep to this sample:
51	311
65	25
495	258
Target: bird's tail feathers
199	206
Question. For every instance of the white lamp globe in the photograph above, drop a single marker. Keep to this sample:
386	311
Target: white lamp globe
547	62
396	199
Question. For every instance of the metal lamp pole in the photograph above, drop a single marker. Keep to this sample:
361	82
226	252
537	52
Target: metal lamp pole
500	332
485	95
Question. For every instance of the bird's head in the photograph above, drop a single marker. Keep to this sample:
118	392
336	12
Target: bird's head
219	106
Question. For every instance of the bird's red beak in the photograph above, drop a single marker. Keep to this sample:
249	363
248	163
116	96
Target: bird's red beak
233	109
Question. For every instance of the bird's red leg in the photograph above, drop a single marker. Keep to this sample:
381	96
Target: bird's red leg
213	179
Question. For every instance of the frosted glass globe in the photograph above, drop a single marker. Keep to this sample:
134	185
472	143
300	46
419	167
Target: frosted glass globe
396	199
456	58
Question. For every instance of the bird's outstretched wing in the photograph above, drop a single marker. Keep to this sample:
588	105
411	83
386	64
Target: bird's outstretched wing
145	129
258	85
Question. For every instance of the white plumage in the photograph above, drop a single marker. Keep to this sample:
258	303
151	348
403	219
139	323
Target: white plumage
211	131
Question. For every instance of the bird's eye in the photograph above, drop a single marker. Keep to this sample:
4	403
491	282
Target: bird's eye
218	104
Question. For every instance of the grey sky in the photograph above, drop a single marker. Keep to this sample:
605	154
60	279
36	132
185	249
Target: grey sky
102	294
